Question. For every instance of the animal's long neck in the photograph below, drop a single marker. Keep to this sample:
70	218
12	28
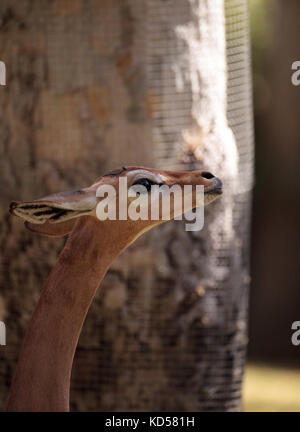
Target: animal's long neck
42	377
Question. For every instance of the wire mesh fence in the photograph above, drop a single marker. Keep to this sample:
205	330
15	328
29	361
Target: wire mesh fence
200	363
165	334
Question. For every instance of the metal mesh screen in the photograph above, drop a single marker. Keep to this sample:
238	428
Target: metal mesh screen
239	93
162	346
173	108
223	345
200	362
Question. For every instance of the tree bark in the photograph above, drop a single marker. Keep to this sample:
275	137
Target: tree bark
92	86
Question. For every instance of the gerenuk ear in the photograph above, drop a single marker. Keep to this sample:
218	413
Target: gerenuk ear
52	230
56	208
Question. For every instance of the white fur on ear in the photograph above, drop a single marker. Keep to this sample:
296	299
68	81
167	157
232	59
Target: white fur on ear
56	208
38	212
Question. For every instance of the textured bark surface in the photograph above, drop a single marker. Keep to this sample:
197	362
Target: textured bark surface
91	86
73	107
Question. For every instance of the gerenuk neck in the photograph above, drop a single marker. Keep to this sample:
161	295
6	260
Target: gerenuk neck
42	377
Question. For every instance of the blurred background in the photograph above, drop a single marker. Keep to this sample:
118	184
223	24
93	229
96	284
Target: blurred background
273	376
61	127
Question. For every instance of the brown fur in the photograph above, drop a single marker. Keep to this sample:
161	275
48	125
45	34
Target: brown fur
42	378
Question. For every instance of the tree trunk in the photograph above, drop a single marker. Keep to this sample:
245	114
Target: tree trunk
92	86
